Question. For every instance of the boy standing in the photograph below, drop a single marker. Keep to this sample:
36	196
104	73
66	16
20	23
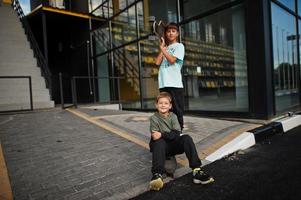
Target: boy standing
167	140
170	59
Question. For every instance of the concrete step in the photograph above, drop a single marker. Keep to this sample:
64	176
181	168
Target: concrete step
17	59
24	106
37	82
10	42
17	70
23	97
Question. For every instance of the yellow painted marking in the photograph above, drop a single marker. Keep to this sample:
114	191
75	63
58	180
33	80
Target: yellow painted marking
111	116
184	162
35	10
212	148
5	188
111	129
66	12
62	11
116	131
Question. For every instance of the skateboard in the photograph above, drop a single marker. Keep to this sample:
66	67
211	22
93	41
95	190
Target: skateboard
170	166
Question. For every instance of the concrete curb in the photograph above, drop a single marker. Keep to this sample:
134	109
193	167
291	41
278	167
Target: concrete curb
251	137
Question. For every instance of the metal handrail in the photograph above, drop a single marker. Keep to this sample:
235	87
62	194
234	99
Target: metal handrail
41	61
118	54
74	90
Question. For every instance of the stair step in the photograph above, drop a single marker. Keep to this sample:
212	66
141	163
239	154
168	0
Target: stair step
17	59
24	106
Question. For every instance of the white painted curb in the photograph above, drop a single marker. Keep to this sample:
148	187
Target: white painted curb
290	123
241	142
247	139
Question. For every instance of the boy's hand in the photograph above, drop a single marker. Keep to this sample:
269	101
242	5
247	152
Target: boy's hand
156	135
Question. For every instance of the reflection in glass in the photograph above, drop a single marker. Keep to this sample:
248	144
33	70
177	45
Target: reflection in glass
126	66
195	7
149	52
167	11
285	59
288	3
103	82
299	7
124	27
215	70
105	10
101	39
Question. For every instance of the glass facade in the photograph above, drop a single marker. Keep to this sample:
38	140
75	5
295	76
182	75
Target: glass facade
285	57
215	70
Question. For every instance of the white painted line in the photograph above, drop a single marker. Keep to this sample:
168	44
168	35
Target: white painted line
241	142
290	123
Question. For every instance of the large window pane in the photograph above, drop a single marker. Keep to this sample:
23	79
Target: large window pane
285	59
126	66
149	51
124	27
299	7
101	39
215	70
195	7
165	10
288	3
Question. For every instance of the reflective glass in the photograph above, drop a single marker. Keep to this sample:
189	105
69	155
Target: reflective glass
299	7
288	3
165	10
195	7
101	38
143	20
215	69
285	59
124	27
126	66
149	52
103	82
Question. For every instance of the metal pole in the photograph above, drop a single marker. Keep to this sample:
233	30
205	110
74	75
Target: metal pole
112	57
88	66
139	59
74	94
30	94
61	90
92	59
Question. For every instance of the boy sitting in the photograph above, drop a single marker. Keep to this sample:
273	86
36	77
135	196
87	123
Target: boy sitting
167	140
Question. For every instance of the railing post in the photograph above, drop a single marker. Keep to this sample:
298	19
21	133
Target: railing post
30	93
73	90
61	90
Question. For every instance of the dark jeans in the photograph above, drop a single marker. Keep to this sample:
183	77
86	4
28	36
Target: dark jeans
177	95
162	149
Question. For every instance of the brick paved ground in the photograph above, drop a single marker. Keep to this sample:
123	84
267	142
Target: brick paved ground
57	155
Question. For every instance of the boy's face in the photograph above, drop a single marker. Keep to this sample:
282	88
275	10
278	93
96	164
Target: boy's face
172	34
163	105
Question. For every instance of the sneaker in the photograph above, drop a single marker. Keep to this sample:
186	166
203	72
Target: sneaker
156	182
200	176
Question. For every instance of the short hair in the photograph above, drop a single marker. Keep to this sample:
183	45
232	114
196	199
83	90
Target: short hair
164	95
172	25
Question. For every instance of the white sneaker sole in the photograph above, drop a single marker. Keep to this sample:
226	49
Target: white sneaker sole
196	181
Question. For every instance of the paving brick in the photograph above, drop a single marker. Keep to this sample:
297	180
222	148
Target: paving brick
70	158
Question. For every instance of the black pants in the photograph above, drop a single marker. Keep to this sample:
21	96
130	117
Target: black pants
177	95
161	149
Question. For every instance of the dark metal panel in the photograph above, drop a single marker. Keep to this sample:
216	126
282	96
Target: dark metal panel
259	48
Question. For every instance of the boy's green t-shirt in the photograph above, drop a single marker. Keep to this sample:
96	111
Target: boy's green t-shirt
162	124
170	74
